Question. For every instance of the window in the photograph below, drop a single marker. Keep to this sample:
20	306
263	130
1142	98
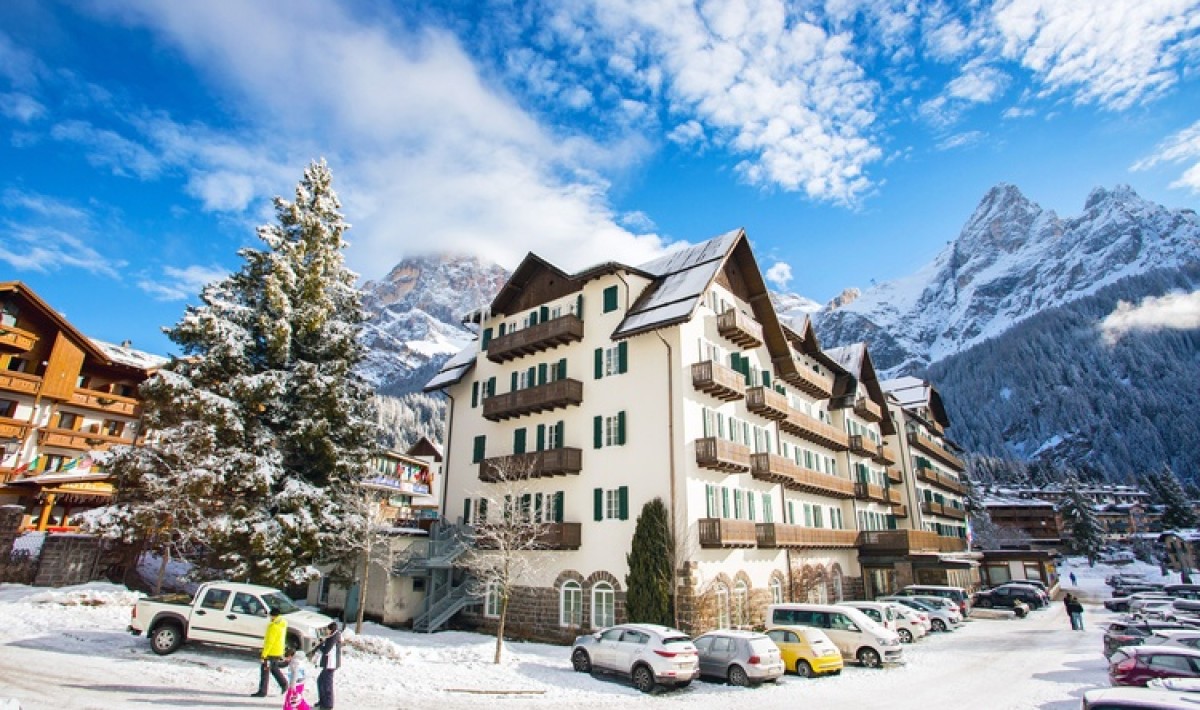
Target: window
570	605
491	601
610	299
741	615
480	448
603	605
611	504
67	420
8	408
722	597
113	427
215	599
248	604
613	360
609	431
768	513
776	591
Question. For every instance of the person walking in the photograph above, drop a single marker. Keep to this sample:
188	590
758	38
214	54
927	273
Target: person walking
1067	604
1074	583
1075	609
273	650
330	659
293	697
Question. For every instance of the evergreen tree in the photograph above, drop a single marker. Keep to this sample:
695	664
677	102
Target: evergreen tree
263	420
648	584
1087	534
1177	512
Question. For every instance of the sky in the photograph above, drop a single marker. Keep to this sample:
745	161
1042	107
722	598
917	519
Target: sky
142	141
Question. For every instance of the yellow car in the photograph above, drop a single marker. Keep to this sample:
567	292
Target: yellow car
807	651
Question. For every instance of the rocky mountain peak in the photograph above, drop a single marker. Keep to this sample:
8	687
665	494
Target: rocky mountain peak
845	298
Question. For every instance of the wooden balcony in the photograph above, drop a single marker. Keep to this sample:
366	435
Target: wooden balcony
817	432
722	455
868	409
893	495
900	511
885	455
895	475
775	535
533	464
948	543
552	395
536	338
941	480
739	328
19	382
560	536
717	380
931	507
869	491
862	446
803	377
808	480
13	338
725	532
766	402
105	402
79	440
902	542
936	450
13	428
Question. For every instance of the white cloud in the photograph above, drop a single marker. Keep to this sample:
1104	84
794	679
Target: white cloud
109	149
638	220
179	284
43	206
687	133
961	140
45	249
1175	311
978	83
1184	146
1018	112
779	275
21	107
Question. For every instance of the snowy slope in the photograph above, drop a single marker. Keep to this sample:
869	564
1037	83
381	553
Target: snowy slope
1012	259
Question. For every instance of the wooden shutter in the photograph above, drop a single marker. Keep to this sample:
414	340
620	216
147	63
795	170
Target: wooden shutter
531	375
623	502
599	363
724	502
750	505
562	369
621	428
560	429
710	500
467	511
766	377
502	325
598	503
513	388
622	356
474	394
533	318
519	441
541	437
480	448
491	385
558	507
610	299
579	306
542	373
598	431
487	338
545	311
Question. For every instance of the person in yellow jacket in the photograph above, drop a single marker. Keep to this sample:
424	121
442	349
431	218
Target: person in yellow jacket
272	655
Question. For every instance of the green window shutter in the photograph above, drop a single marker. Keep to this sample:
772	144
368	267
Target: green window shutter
533	318
502	325
487	338
513	388
491	385
724	502
562	369
621	428
610	299
474	394
598	503
519	441
766	375
768	510
623	503
545	311
558	507
541	437
480	447
467	511
735	362
531	375
542	373
622	356
710	495
750	504
579	306
791	512
598	431
599	363
560	428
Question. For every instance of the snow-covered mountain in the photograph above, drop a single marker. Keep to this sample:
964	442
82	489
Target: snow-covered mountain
413	317
1013	259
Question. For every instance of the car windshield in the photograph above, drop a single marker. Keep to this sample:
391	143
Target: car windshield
763	646
677	641
279	600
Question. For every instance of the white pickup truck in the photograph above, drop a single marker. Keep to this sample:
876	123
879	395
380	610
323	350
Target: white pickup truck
226	613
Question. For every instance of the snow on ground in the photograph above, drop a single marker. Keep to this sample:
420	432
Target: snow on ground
68	649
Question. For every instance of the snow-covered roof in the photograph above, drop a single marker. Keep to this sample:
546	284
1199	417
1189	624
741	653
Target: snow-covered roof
908	391
850	357
56	477
125	355
455	368
999	500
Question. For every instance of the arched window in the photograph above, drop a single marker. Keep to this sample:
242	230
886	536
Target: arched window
741	612
722	597
776	591
570	604
603	605
837	584
491	601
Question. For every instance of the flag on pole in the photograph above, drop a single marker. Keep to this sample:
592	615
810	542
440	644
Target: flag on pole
70	465
27	465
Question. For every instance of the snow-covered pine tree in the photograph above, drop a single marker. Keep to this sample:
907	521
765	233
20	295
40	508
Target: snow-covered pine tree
1177	511
266	422
1087	533
648	584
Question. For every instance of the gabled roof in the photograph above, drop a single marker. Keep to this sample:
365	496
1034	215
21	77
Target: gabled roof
425	447
454	369
856	360
913	393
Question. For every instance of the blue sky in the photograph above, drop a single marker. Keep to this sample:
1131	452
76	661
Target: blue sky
142	141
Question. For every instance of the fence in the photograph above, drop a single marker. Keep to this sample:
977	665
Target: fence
55	559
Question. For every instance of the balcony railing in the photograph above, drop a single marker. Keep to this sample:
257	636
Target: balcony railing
719	381
773	535
868	409
803	377
16	339
900	511
105	402
931	507
885	455
19	382
898	541
948	543
817	432
869	491
722	455
739	328
895	475
533	464
812	481
936	450
767	403
13	428
536	338
932	476
79	440
893	495
724	532
862	446
559	536
552	395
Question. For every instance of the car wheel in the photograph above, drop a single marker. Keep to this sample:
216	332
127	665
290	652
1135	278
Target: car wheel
643	679
803	669
581	662
738	677
869	657
905	635
984	603
939	625
167	638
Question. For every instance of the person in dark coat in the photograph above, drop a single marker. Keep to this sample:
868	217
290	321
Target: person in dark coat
328	658
1075	611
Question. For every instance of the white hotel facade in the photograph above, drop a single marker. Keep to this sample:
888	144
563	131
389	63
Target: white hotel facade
673	380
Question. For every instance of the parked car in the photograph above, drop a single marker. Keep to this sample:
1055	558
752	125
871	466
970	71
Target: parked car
879	613
806	651
854	633
1123	698
650	655
227	613
1005	597
1178	685
1122	603
1121	578
740	657
957	594
1153	608
943	613
1135	665
1026	586
1133	632
1187	638
1183	591
916	621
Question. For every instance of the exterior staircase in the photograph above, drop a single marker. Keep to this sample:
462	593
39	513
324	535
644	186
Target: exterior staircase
447	589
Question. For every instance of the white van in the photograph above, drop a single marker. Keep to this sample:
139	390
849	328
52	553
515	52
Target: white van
853	632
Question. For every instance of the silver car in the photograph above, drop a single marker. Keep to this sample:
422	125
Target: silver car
649	654
740	657
943	613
